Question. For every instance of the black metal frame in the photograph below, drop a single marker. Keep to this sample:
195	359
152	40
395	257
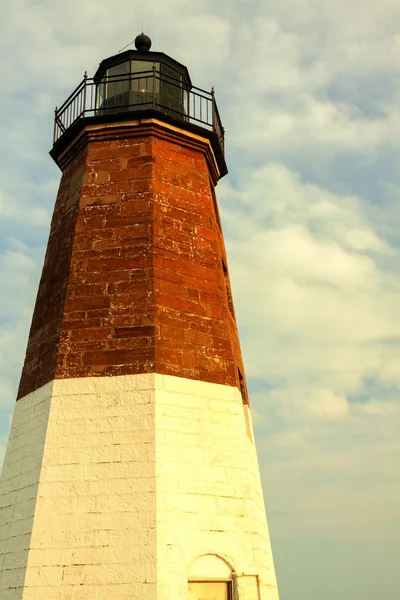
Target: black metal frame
197	107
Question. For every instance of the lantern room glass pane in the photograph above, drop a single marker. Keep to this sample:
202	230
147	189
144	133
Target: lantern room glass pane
136	84
100	94
118	80
170	73
143	66
171	89
143	79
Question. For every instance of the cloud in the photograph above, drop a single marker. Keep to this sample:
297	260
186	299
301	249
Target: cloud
315	283
326	404
16	210
336	475
380	408
322	278
18	286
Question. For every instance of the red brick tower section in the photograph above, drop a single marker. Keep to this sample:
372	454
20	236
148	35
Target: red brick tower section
135	277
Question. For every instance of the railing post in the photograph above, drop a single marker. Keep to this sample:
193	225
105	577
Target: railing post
84	92
154	86
55	125
213	108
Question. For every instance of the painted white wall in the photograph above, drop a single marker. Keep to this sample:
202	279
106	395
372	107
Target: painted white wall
18	488
209	495
116	485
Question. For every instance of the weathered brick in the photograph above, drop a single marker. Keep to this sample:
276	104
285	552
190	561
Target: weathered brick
108	357
105	244
134	287
111	264
135	331
124	219
133	277
137	229
90	223
85	303
99	199
106	276
89	334
97	312
137	206
71	323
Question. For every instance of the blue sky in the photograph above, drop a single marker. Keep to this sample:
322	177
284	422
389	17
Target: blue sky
309	96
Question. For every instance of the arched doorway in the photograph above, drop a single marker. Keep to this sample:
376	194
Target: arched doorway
210	578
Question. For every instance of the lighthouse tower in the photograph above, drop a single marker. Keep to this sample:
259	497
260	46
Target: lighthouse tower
131	470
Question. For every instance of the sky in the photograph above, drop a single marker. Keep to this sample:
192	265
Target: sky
309	96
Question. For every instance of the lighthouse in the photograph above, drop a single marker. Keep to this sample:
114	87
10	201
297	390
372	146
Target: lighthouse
131	470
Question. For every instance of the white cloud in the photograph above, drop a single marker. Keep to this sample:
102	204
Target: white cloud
15	210
379	408
20	276
326	404
320	286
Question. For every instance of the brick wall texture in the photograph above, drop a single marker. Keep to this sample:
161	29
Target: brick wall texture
134	278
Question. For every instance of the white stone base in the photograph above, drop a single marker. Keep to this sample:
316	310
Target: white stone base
115	487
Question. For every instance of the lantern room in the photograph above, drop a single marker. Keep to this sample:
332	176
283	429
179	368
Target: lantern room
139	78
139	84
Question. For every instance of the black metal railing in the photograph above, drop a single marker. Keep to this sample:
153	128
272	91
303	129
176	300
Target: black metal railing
139	91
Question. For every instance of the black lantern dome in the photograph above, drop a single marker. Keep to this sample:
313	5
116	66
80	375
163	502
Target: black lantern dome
142	42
